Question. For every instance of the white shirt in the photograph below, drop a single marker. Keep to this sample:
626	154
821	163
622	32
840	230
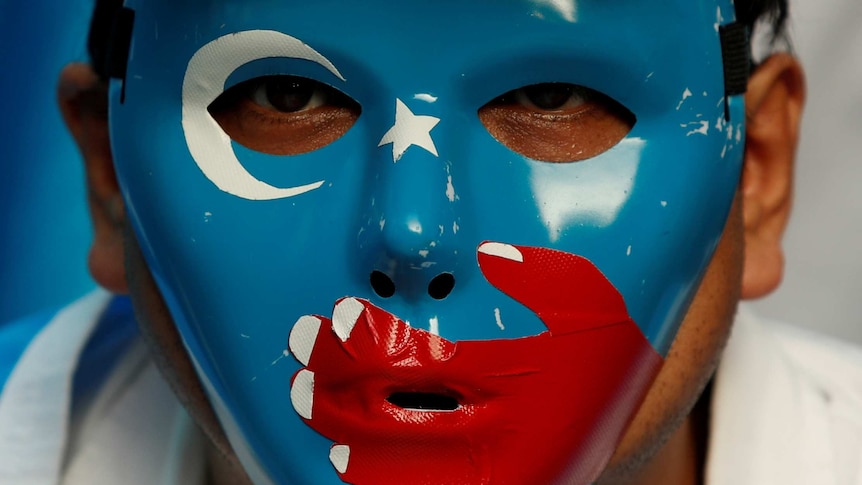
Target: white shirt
786	409
134	432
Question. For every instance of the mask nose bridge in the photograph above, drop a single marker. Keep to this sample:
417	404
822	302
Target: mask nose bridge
413	233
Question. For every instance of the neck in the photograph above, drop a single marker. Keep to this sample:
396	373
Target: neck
682	459
677	463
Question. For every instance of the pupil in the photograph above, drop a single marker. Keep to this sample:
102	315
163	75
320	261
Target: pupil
289	95
548	96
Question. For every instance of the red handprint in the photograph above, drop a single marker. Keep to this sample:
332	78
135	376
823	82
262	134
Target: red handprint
537	410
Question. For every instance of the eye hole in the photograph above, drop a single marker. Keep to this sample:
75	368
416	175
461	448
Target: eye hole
284	115
557	122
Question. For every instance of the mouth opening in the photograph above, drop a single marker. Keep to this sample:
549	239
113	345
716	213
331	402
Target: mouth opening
423	401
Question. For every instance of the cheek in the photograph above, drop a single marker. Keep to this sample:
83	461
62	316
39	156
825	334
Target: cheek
693	357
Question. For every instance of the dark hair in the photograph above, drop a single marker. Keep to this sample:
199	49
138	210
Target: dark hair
772	12
750	13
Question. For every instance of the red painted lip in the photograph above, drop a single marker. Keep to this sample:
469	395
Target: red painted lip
537	410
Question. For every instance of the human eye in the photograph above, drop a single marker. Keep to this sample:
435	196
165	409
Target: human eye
284	115
557	122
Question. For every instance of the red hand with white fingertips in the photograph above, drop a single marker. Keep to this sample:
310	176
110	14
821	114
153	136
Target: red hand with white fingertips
534	410
566	291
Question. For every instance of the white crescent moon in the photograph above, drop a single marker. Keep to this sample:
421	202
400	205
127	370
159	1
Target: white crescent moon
204	81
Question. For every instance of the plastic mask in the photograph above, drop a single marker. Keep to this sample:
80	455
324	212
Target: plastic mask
390	264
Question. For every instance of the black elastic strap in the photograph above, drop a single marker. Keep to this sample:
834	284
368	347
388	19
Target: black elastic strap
117	59
121	40
101	25
736	55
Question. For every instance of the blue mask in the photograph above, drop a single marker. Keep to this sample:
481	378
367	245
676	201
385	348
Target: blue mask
417	243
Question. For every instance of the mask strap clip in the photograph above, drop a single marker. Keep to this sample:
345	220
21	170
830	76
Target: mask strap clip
117	59
110	39
736	56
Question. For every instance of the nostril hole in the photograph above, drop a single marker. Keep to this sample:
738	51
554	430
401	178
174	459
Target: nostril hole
382	284
441	286
423	401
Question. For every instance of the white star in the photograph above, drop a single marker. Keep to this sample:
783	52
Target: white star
409	129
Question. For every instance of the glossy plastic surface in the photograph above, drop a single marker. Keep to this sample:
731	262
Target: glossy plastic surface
244	244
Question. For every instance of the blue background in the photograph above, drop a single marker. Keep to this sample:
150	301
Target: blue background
44	227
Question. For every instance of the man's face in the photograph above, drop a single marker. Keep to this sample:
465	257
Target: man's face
427	244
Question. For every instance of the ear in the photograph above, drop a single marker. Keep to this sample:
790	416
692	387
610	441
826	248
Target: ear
774	100
83	103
